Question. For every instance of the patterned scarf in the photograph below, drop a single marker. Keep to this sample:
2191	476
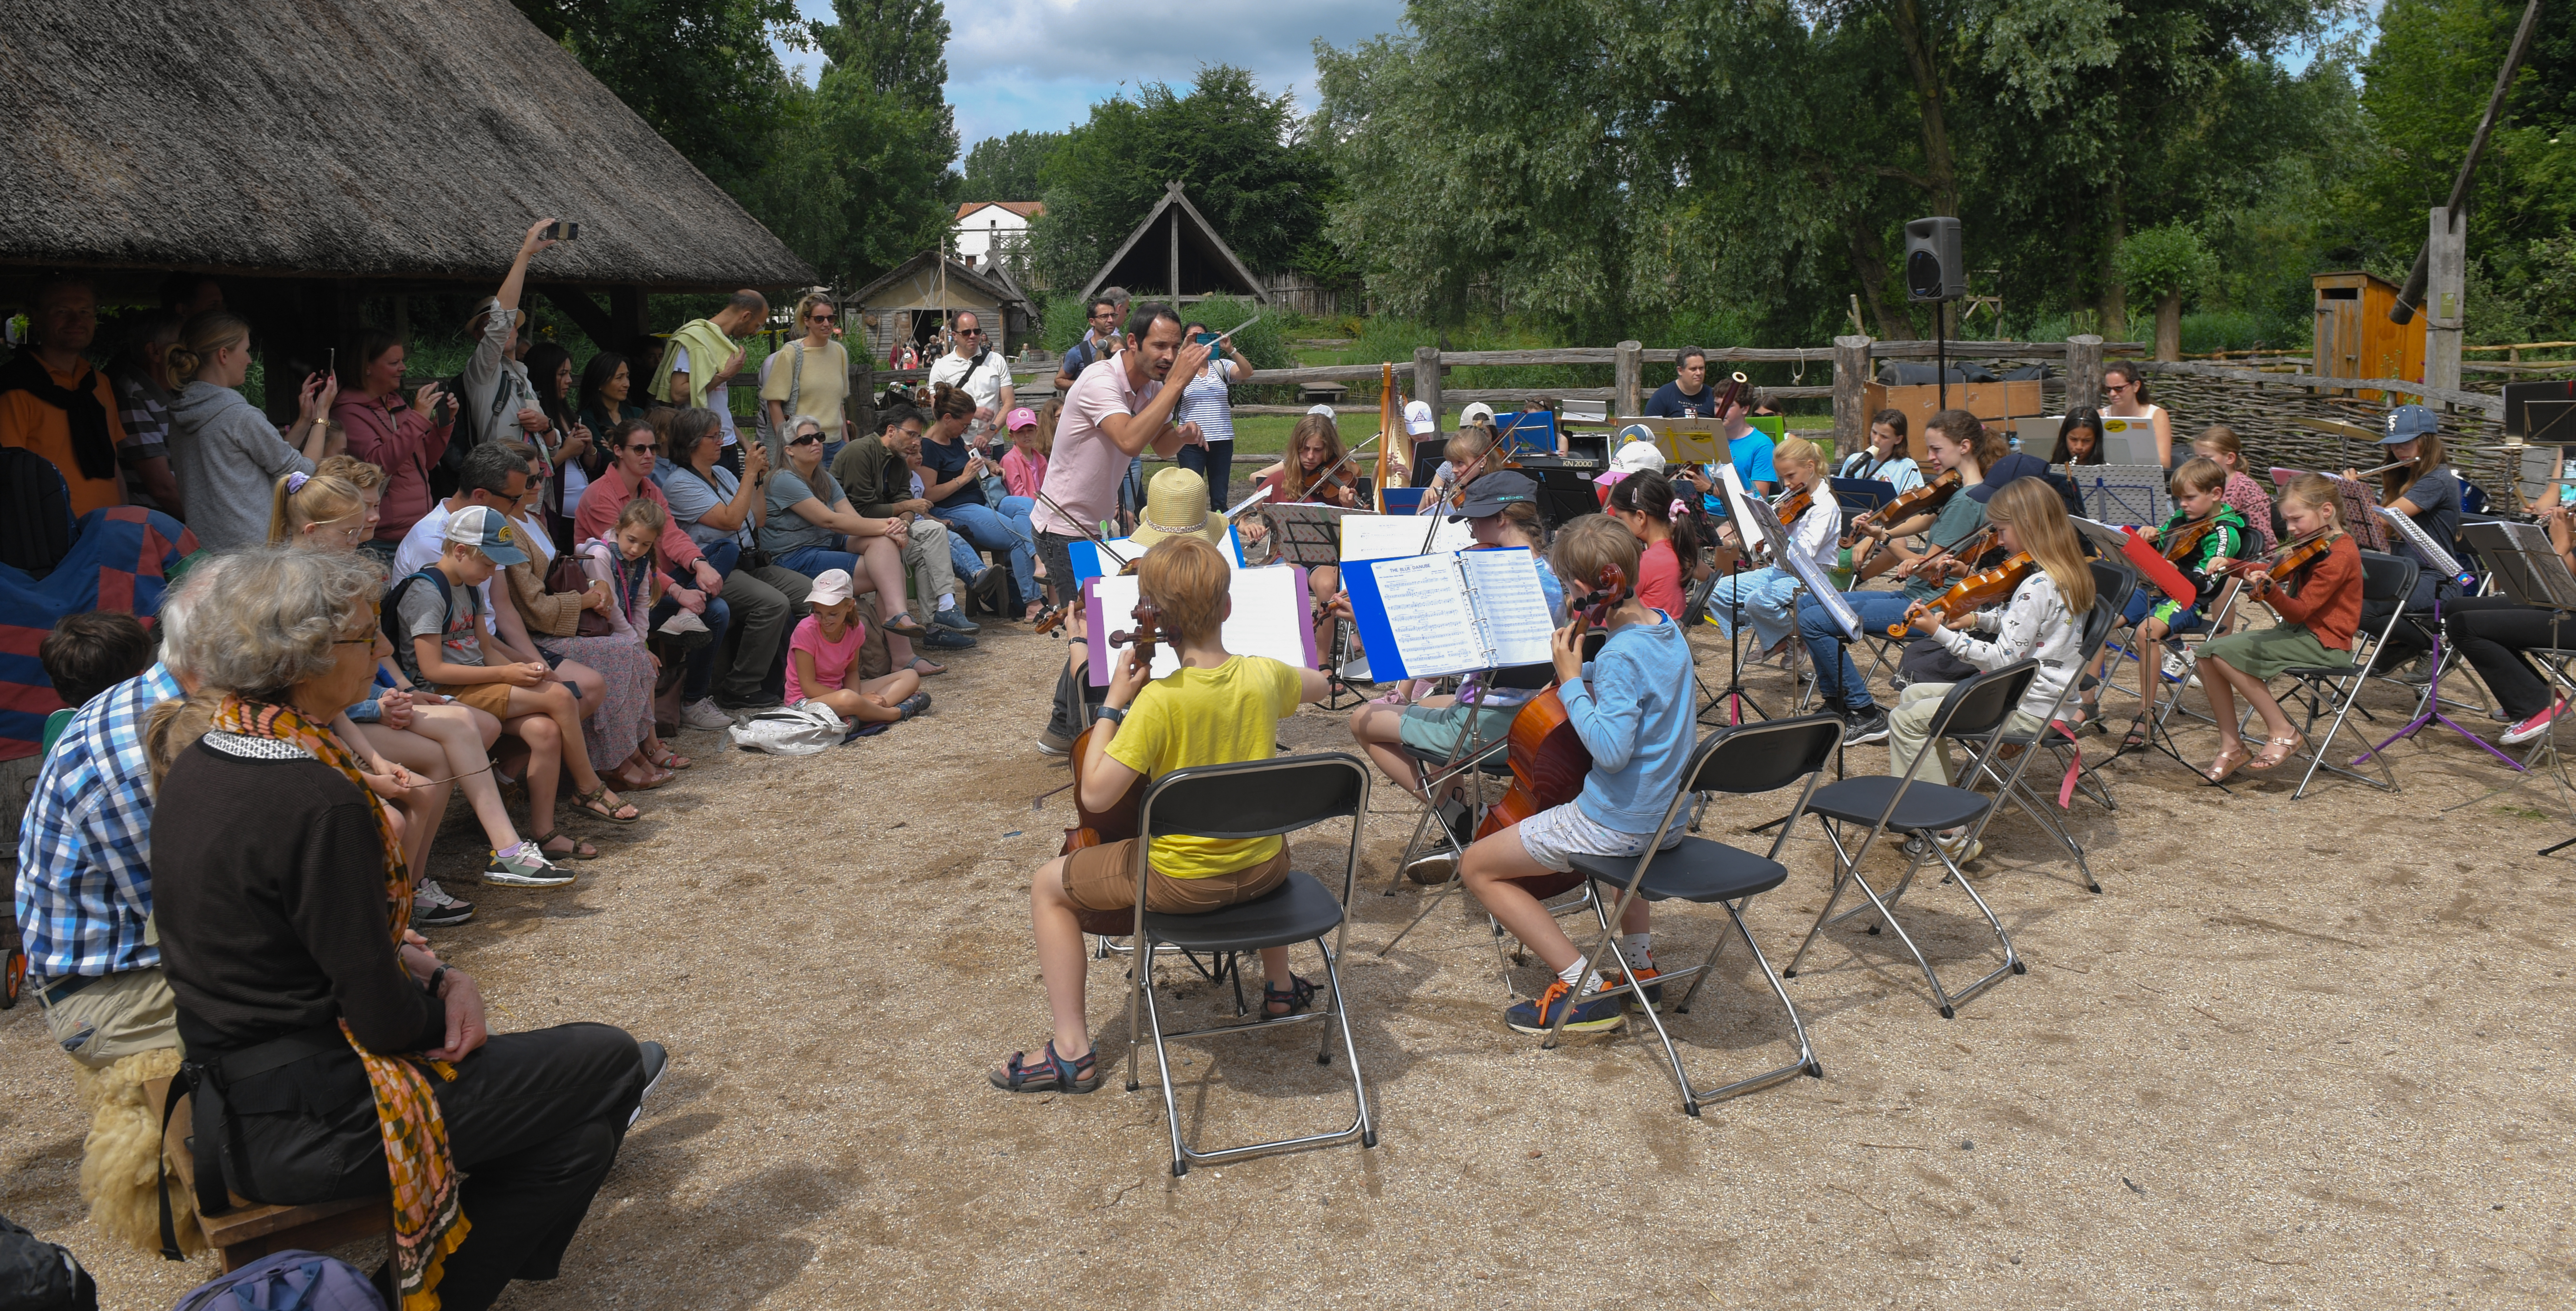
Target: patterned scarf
428	1222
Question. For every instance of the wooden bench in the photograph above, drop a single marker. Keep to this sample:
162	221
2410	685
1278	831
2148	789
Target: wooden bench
251	1230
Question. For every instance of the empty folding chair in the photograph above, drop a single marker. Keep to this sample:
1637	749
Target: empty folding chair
2112	584
1252	799
1740	760
2333	689
1905	805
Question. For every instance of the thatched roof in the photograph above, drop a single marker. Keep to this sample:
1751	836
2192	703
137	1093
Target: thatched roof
376	139
915	285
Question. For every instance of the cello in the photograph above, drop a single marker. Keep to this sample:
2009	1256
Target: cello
1115	822
1548	758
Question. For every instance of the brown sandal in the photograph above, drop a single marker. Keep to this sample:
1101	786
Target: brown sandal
2229	758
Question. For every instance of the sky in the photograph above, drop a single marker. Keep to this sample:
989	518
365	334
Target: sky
1039	65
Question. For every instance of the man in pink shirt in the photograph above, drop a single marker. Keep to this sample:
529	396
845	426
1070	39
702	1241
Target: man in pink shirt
1117	408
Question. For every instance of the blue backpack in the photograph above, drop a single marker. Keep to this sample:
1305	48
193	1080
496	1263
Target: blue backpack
292	1280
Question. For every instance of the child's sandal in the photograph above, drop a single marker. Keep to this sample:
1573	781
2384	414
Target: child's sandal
1051	1074
1298	997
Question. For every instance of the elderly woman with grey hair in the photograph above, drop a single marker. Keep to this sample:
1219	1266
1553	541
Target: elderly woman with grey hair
331	1045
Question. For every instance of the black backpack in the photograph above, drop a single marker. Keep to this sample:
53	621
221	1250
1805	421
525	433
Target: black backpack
39	1276
392	621
35	514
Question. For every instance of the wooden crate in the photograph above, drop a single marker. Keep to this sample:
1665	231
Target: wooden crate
1987	400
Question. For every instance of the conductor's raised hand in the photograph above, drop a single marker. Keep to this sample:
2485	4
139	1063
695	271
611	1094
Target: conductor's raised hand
1189	363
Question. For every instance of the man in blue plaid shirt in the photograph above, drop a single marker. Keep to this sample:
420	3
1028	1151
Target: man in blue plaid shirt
84	868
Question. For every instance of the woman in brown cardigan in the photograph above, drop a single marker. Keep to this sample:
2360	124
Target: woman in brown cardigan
622	731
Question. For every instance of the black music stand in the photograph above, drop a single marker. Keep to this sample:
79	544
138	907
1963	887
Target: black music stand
2429	709
2532	573
2108	545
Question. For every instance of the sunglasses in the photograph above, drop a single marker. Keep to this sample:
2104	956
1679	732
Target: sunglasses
970	332
643	448
822	316
808	439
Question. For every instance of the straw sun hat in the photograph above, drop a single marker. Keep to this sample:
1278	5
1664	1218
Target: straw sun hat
1176	505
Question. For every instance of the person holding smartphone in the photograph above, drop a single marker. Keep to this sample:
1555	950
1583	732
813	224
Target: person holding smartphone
1208	402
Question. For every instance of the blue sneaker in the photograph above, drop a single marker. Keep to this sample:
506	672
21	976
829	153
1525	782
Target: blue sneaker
1593	1015
945	639
955	621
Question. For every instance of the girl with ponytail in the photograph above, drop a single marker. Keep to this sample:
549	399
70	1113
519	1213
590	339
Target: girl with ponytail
1666	532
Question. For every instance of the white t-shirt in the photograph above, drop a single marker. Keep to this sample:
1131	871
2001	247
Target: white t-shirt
718	399
985	385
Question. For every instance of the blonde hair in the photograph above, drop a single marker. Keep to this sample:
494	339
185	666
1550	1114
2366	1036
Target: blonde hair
2038	520
805	305
1589	547
2197	474
199	339
647	513
314	499
2222	439
353	471
1301	484
2317	492
1186	578
1049	415
1797	450
1467	445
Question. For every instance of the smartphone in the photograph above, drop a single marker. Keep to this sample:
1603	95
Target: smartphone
561	231
1211	340
331	362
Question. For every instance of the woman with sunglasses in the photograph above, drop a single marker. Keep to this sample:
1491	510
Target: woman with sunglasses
809	378
2127	390
810	528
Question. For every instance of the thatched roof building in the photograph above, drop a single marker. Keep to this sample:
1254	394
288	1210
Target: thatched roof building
912	300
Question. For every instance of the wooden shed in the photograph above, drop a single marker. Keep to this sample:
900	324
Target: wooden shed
909	303
1176	254
2354	338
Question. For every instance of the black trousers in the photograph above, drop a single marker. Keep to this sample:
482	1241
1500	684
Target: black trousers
534	1120
2492	632
1074	694
2413	635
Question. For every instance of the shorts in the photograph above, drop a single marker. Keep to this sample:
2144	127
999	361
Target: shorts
1555	836
2147	602
1104	878
116	1017
491	698
1436	730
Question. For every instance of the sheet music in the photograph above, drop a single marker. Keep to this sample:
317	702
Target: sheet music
1090	561
1269	619
1387	536
1774	536
1428	612
1513	604
2425	547
1735	497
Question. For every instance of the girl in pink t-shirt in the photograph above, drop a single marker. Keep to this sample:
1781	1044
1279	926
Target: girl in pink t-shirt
1024	465
825	649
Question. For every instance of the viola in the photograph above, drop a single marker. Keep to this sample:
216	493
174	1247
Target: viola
2287	558
1970	594
1793	504
2179	543
1548	757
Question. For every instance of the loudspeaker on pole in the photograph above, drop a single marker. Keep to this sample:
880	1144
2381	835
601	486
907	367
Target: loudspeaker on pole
1934	270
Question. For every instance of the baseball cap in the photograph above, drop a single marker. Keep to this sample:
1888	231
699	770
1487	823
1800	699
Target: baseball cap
1417	418
1639	453
831	587
1490	493
1022	417
1474	413
486	530
2408	422
1320	408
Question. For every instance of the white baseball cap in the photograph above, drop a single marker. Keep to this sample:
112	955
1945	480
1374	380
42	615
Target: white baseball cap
831	587
1417	418
1475	412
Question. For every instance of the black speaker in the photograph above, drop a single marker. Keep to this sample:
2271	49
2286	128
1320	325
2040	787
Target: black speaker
1933	268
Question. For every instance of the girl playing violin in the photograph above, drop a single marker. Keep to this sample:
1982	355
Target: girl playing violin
2044	620
2197	488
1666	532
1314	469
2319	604
1768	596
1632	709
1464	461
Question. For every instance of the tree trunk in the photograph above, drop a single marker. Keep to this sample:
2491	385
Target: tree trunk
2169	326
1938	170
2115	294
1869	264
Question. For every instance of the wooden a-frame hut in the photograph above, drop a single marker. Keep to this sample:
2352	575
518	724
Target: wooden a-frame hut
1176	253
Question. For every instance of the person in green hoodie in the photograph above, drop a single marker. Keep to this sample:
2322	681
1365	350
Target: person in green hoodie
702	355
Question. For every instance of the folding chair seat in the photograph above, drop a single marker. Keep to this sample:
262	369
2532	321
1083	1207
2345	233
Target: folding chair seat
1972	710
2113	583
1252	799
2336	689
1740	760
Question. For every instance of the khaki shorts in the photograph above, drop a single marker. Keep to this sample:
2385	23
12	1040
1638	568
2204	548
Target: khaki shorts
491	698
1104	878
114	1018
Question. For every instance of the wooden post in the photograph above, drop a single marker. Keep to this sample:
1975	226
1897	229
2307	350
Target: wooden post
1851	374
2445	297
1426	384
863	387
1629	368
2084	372
1176	256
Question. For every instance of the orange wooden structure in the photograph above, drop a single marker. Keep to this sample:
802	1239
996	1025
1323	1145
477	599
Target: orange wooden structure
2354	338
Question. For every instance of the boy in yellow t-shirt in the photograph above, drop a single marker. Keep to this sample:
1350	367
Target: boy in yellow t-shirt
1215	709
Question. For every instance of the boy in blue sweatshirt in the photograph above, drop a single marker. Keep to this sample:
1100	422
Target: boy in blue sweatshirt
1632	708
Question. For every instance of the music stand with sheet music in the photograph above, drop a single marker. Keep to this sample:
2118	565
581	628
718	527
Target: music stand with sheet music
2532	573
2136	494
2438	561
1753	509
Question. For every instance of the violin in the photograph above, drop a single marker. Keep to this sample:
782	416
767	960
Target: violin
1970	594
2179	543
1548	758
1925	499
1115	822
1794	503
2287	558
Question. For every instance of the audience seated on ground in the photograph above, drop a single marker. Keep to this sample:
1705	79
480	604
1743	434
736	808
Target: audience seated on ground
295	985
620	729
723	513
1216	708
813	526
823	656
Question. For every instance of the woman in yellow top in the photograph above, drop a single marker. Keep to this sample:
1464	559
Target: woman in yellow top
816	388
1215	709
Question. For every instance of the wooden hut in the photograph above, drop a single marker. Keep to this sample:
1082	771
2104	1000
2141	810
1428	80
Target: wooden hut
2354	338
1175	254
314	154
911	301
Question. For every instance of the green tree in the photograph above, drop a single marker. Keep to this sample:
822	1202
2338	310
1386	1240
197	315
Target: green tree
702	72
1008	168
1235	149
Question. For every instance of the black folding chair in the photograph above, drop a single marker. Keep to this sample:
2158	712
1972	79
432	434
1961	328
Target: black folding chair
2334	689
2112	584
1741	760
1253	799
1974	709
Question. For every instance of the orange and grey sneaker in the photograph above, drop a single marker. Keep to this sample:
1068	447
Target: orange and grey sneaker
1648	993
1590	1014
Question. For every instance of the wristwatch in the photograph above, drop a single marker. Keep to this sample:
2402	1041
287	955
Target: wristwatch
1114	714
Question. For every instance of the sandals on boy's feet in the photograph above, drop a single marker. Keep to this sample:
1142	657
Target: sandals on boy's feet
1052	1073
594	804
1298	997
580	850
912	706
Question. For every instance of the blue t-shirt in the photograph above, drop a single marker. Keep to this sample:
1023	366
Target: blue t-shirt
1669	402
1632	709
947	460
1751	456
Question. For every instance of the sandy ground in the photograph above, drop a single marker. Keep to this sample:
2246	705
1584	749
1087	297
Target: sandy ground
2306	1053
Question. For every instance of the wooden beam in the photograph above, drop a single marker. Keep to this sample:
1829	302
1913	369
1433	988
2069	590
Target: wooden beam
1629	379
598	324
1851	378
1426	381
2084	372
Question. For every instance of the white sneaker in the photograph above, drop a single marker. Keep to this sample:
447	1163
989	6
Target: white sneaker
702	714
2179	670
